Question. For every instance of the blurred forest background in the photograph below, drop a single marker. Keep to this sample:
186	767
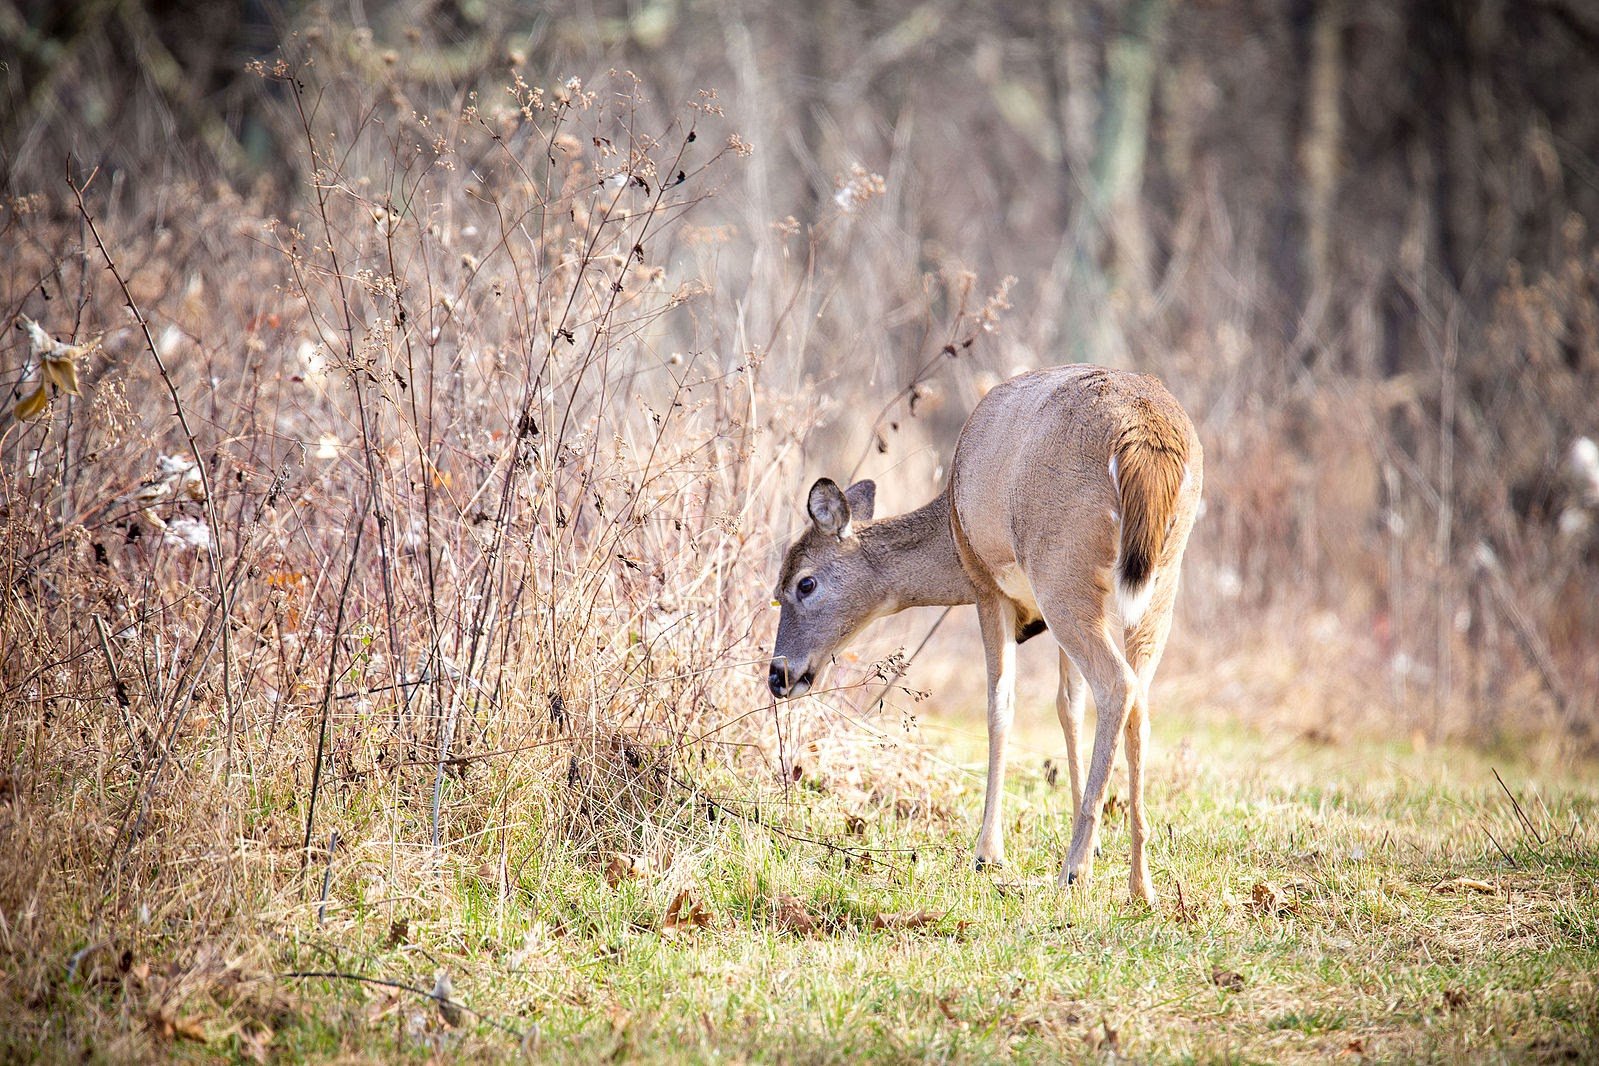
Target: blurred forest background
1355	237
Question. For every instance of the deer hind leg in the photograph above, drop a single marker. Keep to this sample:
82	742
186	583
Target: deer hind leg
1071	700
1145	642
998	620
1087	641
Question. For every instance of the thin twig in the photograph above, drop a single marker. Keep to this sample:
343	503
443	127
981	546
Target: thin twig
1502	851
339	975
327	688
1517	806
117	684
214	547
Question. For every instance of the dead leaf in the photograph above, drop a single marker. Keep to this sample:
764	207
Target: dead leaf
1357	1046
1267	898
1464	884
908	920
792	917
63	374
1226	980
399	931
685	913
623	868
854	825
31	406
167	1026
946	1007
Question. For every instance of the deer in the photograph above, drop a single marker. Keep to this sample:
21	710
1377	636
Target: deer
1067	508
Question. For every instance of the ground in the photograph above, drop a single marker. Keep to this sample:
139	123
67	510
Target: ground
1319	899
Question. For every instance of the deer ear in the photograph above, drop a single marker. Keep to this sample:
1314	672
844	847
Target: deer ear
828	507
862	497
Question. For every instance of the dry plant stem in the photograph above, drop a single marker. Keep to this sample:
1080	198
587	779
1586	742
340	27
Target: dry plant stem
1516	805
368	445
120	688
214	547
337	975
755	818
327	686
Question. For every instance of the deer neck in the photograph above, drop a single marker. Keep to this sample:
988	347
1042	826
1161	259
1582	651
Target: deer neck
915	557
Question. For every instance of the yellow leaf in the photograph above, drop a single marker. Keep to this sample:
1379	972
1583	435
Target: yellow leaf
63	373
31	406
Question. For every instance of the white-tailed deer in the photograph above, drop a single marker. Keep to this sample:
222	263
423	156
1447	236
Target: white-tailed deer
1069	502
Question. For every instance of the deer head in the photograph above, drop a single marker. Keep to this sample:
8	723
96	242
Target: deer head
828	589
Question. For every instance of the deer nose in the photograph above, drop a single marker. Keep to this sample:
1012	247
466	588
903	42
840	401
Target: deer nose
777	678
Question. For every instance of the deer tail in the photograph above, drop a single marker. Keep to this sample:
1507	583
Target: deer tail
1149	467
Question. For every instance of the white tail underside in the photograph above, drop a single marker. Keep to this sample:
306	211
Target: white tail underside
1131	603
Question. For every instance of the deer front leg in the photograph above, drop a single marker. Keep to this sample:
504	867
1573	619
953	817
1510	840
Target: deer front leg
998	621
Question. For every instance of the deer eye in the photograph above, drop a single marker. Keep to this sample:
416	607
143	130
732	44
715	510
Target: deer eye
807	585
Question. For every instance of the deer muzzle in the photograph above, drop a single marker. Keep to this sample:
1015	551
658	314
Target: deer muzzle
784	683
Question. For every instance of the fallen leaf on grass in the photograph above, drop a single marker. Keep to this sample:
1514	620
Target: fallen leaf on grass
1357	1046
685	913
908	920
1464	884
168	1027
1268	898
623	868
792	917
946	1007
1226	980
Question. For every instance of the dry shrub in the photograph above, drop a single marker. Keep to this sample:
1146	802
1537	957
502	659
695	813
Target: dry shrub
474	569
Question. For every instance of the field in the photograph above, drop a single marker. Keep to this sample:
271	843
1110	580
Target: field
1320	899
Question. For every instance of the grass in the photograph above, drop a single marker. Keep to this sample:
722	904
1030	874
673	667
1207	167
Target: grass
1310	909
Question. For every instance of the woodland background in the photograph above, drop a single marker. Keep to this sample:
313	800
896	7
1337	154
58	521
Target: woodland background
1355	238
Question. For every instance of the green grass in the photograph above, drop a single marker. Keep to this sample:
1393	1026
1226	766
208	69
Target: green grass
1348	947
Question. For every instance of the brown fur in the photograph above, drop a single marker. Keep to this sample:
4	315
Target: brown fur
1151	458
